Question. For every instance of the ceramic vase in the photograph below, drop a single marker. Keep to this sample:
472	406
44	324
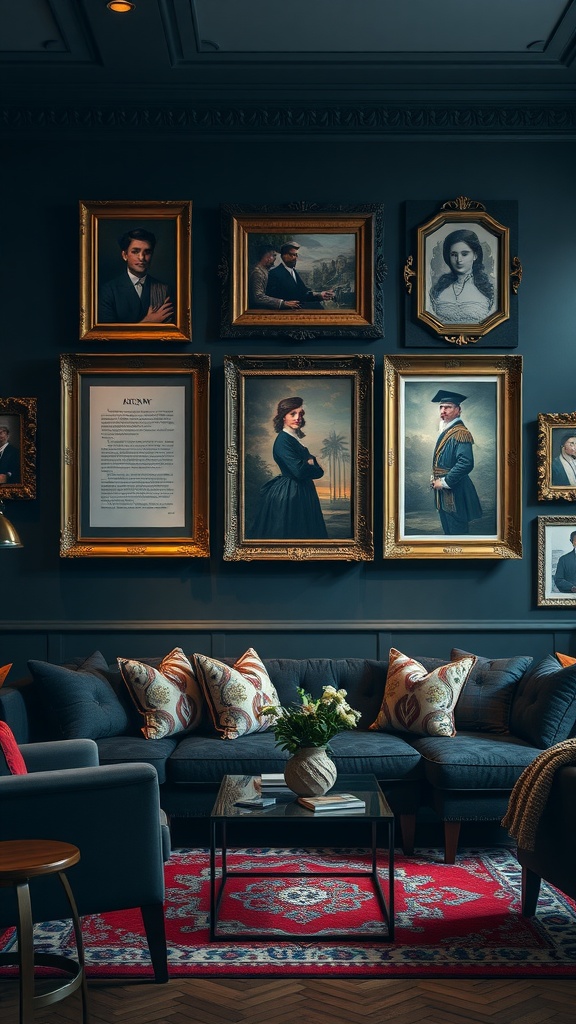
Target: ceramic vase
310	772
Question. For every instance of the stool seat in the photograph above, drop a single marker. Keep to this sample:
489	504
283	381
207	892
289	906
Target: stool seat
20	861
29	858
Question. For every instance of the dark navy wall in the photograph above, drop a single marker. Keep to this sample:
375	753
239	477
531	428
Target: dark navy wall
39	284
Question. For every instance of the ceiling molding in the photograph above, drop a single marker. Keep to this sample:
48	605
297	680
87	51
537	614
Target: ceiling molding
395	120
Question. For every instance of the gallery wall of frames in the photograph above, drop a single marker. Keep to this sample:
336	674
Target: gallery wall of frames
331	395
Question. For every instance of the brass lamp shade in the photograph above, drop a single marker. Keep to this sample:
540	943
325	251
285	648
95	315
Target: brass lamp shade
8	535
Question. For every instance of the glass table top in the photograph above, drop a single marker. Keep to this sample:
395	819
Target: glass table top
245	787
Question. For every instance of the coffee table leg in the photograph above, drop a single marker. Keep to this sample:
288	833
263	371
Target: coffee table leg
212	880
391	878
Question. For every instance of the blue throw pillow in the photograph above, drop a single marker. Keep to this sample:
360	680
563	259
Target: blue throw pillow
80	702
486	701
544	707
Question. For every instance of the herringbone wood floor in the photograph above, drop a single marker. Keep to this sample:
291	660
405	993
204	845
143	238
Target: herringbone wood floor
317	1001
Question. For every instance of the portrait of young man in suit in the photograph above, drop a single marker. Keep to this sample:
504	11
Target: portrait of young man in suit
135	296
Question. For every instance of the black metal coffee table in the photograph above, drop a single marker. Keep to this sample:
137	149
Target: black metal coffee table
287	809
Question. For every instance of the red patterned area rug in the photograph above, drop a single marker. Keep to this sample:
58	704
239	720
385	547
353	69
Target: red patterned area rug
459	920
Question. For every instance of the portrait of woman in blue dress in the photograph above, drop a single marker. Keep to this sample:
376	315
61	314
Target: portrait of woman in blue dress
289	507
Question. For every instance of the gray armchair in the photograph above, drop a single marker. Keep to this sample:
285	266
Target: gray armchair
112	814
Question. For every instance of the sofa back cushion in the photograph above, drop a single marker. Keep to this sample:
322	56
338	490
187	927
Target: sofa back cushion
486	700
544	706
363	679
79	702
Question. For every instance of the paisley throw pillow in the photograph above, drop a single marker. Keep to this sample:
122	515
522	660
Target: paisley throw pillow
235	694
418	701
168	697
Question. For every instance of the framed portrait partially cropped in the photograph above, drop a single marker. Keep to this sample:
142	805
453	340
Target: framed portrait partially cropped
302	270
452	484
556	456
299	458
135	271
134	458
18	419
557	561
462	275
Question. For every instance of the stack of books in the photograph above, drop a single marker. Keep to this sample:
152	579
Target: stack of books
333	802
273	784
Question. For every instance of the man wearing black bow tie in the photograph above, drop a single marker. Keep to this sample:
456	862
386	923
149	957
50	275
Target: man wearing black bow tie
9	458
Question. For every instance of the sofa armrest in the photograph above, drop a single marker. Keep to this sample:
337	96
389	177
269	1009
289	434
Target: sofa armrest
59	754
111	813
13	712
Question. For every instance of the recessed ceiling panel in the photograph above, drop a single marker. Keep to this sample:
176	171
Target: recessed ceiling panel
376	26
44	30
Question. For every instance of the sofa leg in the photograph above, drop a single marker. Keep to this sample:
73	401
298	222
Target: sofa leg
451	836
530	890
408	829
155	927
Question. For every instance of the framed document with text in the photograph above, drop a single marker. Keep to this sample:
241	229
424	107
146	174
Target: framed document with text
134	455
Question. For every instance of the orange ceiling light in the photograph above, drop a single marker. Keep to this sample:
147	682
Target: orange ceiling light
120	6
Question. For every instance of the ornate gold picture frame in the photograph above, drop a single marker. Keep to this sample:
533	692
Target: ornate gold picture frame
135	456
460	283
299	458
17	448
556	456
453	456
135	271
556	561
302	270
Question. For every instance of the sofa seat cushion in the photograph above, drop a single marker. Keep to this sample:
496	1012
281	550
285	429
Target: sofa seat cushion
136	749
206	759
474	761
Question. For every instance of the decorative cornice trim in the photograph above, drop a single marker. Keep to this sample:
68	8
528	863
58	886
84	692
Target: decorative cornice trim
481	120
296	626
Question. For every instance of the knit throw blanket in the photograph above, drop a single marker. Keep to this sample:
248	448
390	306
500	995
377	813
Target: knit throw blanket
530	794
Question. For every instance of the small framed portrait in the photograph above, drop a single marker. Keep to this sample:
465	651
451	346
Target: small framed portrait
299	458
135	271
17	448
459	286
556	456
556	561
453	457
134	456
302	271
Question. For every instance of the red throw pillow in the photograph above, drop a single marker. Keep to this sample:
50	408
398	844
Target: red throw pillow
9	748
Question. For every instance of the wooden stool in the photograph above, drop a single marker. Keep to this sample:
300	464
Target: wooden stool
21	860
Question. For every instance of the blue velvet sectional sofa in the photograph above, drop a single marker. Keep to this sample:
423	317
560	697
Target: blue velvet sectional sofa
508	712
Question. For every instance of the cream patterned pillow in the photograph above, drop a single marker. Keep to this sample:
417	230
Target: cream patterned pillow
418	701
236	694
168	697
